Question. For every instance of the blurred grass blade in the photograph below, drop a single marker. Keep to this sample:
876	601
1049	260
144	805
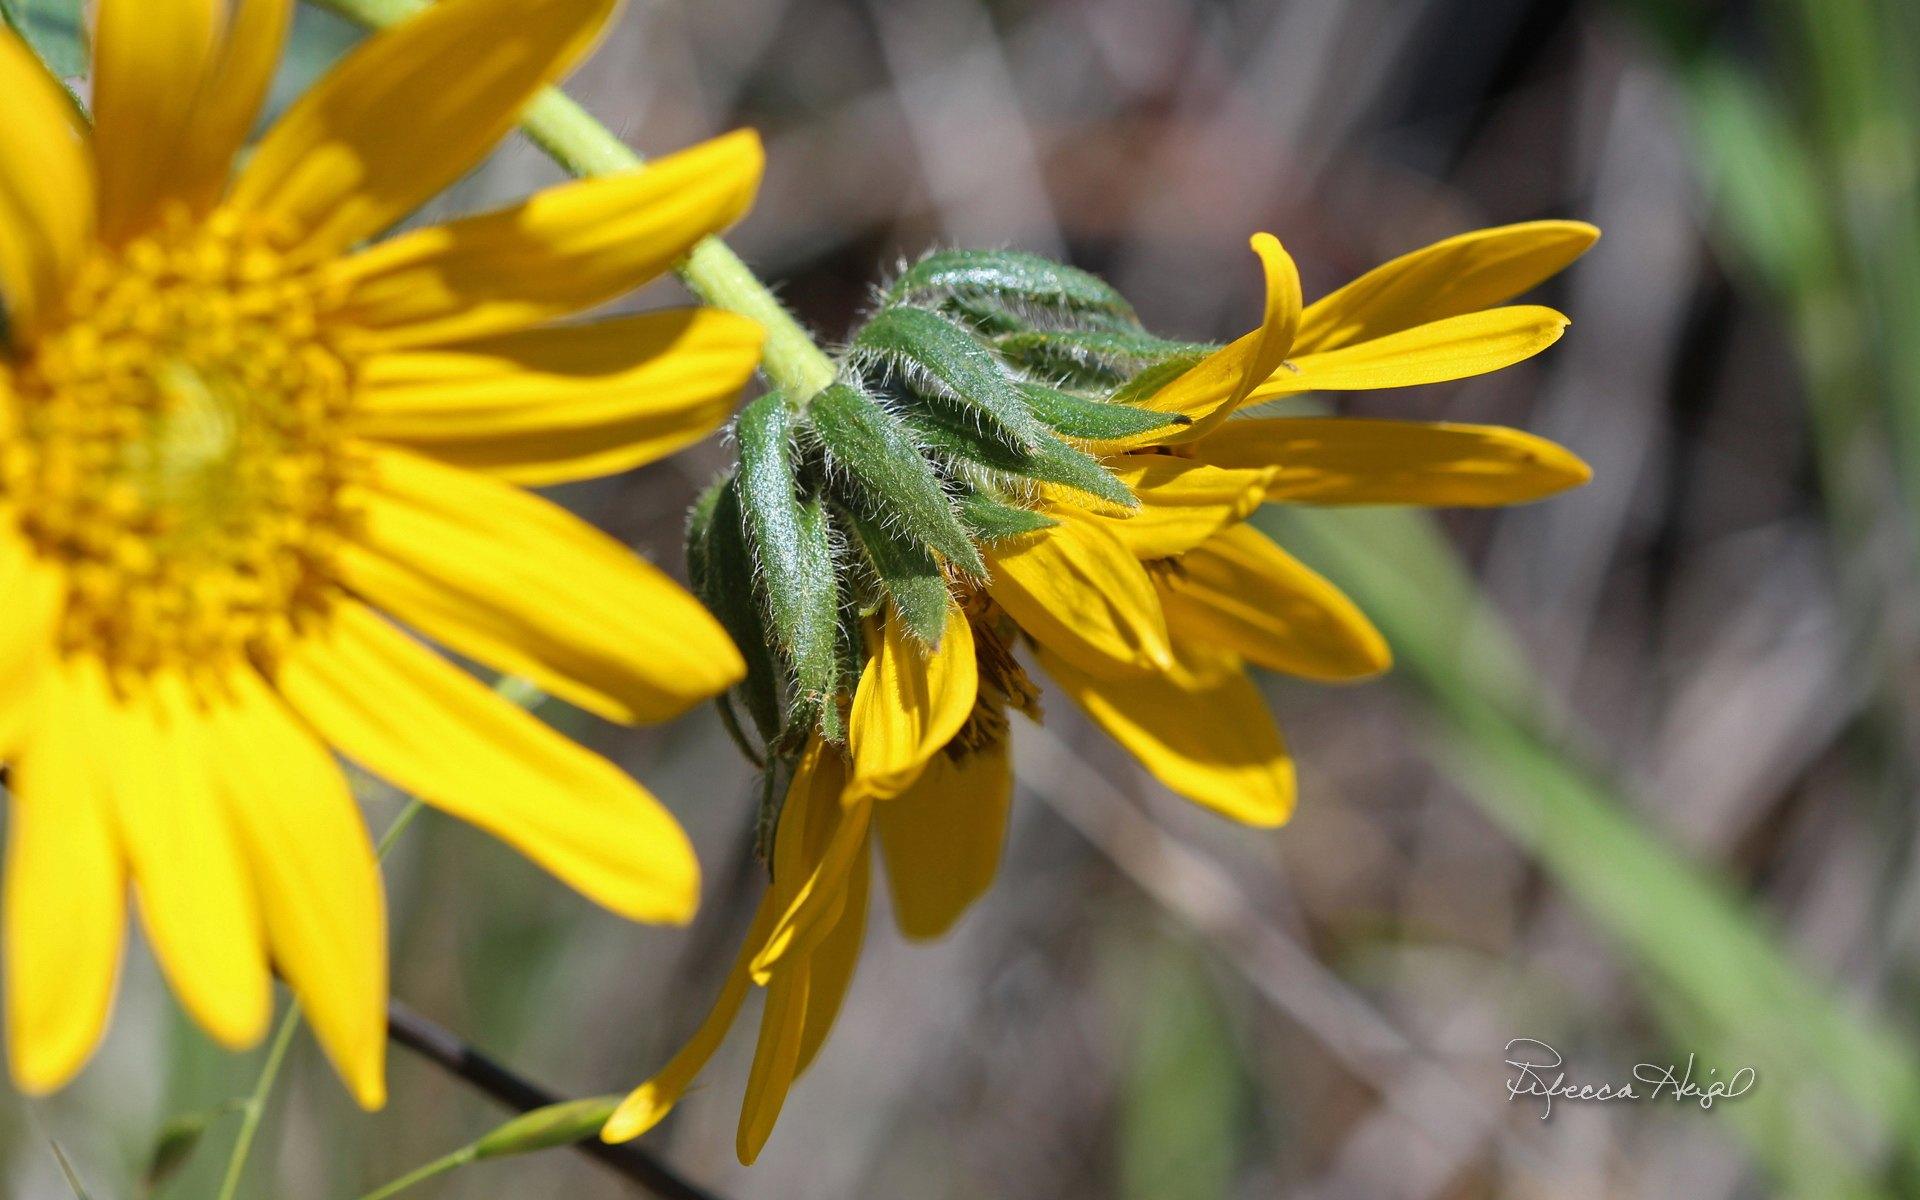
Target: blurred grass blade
67	1172
1184	1095
1686	929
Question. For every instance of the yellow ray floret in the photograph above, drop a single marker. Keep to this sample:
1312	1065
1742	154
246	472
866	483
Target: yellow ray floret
235	450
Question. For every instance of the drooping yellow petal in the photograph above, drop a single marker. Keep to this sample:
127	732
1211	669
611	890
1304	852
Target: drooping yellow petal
1462	274
1203	730
46	188
776	1058
561	251
229	101
1242	593
942	839
822	833
406	113
314	866
810	909
517	582
1182	502
66	896
1452	348
1336	460
415	719
910	702
1214	387
649	1103
549	406
33	591
833	964
1078	590
150	62
190	871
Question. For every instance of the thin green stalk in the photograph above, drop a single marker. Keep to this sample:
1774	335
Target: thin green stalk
581	144
438	1167
256	1103
255	1106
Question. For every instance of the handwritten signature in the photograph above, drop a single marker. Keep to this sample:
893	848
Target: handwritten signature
1537	1073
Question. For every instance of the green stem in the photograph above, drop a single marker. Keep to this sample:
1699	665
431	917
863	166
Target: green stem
255	1106
439	1166
581	144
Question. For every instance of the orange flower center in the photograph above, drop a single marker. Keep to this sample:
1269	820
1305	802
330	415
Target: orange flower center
175	443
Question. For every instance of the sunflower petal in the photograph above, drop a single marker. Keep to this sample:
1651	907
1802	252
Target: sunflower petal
1451	348
190	871
406	113
150	62
833	964
34	592
1213	388
776	1060
228	103
942	839
910	703
649	1103
415	719
66	896
319	884
522	585
549	406
1203	731
1340	460
1078	590
562	251
1182	502
1242	593
1462	274
46	188
811	908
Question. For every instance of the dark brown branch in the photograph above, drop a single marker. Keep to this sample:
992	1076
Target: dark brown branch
444	1049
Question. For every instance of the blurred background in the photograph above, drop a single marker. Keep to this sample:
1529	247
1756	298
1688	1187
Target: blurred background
1640	784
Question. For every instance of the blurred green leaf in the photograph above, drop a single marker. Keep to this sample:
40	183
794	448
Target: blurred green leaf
1184	1098
55	29
545	1128
177	1141
870	448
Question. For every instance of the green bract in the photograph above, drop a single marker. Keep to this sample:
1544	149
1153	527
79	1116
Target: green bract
982	378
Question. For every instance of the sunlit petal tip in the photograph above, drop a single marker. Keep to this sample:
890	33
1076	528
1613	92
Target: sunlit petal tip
1563	469
369	1086
643	1108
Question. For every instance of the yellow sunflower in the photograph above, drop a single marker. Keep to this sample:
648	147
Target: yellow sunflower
230	440
1146	617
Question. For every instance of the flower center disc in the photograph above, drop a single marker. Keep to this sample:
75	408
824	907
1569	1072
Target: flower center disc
176	444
